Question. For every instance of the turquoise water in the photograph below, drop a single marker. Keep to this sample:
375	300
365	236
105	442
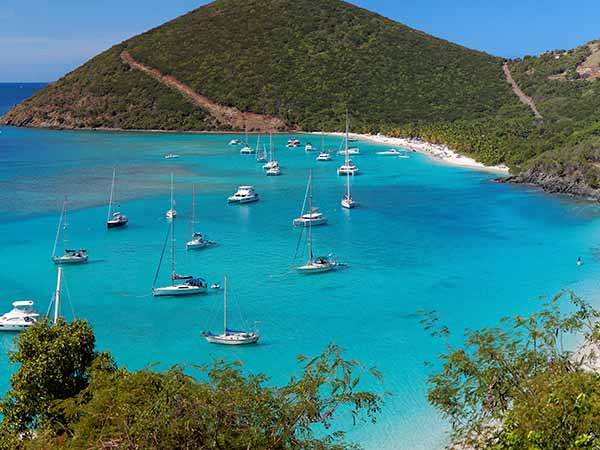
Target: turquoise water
425	236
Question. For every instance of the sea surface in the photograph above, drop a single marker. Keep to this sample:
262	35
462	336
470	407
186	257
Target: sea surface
424	237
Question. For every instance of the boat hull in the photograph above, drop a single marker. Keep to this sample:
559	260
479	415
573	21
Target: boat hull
195	245
242	200
309	269
14	328
179	290
306	222
232	339
342	171
116	223
70	259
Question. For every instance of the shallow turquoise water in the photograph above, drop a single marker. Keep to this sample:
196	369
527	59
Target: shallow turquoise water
425	236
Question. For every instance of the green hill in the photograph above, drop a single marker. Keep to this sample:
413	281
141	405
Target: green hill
303	61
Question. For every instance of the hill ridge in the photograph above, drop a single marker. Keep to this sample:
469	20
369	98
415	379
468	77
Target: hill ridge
225	115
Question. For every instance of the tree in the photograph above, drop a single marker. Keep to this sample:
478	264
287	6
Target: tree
517	386
90	403
54	362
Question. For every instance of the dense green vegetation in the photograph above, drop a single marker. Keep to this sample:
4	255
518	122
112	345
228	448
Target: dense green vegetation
66	395
305	61
516	387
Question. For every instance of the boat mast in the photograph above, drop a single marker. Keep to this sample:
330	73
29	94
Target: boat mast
112	191
310	252
57	295
225	307
65	225
173	252
347	161
322	140
172	190
257	146
193	211
271	146
60	221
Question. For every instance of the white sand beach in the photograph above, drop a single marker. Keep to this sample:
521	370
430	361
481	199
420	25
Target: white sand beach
438	152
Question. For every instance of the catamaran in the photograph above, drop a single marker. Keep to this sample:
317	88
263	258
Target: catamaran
69	256
20	317
198	240
348	168
180	284
244	194
313	216
230	337
272	162
114	219
324	155
246	149
172	212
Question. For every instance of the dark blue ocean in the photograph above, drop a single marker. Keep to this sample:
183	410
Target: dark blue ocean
426	236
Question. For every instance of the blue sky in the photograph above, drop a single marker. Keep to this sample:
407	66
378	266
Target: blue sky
40	40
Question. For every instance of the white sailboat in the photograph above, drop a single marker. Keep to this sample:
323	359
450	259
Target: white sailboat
114	219
246	149
69	256
272	162
230	337
180	284
197	240
324	154
172	212
348	168
313	216
316	264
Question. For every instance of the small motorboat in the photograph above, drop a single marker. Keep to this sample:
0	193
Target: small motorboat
244	194
198	241
324	156
309	147
390	152
350	151
235	142
292	143
215	286
20	317
171	156
247	150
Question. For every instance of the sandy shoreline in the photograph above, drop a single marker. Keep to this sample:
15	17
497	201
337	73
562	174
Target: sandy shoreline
437	152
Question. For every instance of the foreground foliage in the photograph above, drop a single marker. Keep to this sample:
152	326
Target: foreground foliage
517	386
67	396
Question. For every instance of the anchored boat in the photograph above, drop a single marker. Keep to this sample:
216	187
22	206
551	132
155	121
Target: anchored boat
230	337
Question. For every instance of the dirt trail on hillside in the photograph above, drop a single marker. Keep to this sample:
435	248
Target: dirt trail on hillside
519	93
226	115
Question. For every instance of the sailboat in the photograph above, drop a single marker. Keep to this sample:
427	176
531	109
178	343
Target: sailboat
313	216
180	284
114	219
197	241
172	212
260	157
324	154
230	337
348	168
69	256
347	200
272	162
315	264
246	149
